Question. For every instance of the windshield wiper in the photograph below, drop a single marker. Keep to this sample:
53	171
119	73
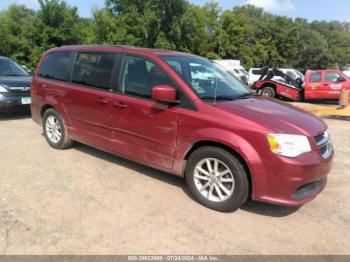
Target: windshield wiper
13	75
245	96
218	97
221	97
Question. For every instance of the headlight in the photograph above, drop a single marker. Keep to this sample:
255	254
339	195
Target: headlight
3	89
288	145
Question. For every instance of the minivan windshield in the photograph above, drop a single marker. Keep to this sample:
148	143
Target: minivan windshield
206	79
10	68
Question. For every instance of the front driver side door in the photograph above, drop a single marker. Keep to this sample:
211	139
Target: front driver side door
143	129
331	87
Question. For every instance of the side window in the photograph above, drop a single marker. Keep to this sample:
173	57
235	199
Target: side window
176	66
139	76
315	77
56	66
331	76
94	69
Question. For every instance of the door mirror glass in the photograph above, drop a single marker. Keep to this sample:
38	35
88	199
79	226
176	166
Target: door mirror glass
341	79
164	93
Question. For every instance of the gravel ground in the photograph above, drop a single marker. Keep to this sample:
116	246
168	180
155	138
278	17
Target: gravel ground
84	201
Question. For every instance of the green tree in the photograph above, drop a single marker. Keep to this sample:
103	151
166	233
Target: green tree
55	24
152	23
16	24
246	32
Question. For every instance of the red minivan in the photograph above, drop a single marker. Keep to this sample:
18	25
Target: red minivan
182	114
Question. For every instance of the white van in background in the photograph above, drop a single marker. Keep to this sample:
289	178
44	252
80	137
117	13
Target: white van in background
234	67
346	70
252	76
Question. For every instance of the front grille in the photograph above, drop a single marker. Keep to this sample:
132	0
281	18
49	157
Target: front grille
324	144
19	89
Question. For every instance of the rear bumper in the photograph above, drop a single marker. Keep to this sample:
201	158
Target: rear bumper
294	182
10	102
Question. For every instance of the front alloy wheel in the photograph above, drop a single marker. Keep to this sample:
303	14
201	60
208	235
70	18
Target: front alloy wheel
214	180
217	179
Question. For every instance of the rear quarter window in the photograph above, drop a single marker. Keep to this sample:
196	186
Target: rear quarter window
56	66
315	77
94	69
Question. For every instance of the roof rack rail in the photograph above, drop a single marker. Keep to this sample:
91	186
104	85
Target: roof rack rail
99	45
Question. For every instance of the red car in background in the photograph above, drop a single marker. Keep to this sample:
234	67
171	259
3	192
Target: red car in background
182	114
325	84
318	85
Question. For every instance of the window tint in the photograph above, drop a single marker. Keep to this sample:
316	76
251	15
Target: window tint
176	66
56	66
140	76
331	76
94	69
315	77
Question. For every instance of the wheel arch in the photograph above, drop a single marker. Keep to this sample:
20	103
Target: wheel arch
54	104
240	158
44	108
269	84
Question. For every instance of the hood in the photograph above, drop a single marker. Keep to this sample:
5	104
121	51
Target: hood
275	115
16	83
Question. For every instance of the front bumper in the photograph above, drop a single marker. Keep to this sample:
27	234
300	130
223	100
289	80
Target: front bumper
294	182
10	102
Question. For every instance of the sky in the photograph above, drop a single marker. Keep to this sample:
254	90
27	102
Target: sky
309	9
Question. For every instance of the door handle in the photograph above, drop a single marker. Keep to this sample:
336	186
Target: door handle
101	101
120	105
325	84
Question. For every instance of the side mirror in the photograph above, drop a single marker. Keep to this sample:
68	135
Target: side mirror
164	93
341	79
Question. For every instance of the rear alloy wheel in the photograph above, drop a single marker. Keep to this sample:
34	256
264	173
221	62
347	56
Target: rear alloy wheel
268	91
55	131
217	179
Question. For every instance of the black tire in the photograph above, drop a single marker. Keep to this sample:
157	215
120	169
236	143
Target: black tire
300	97
241	184
64	141
268	91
